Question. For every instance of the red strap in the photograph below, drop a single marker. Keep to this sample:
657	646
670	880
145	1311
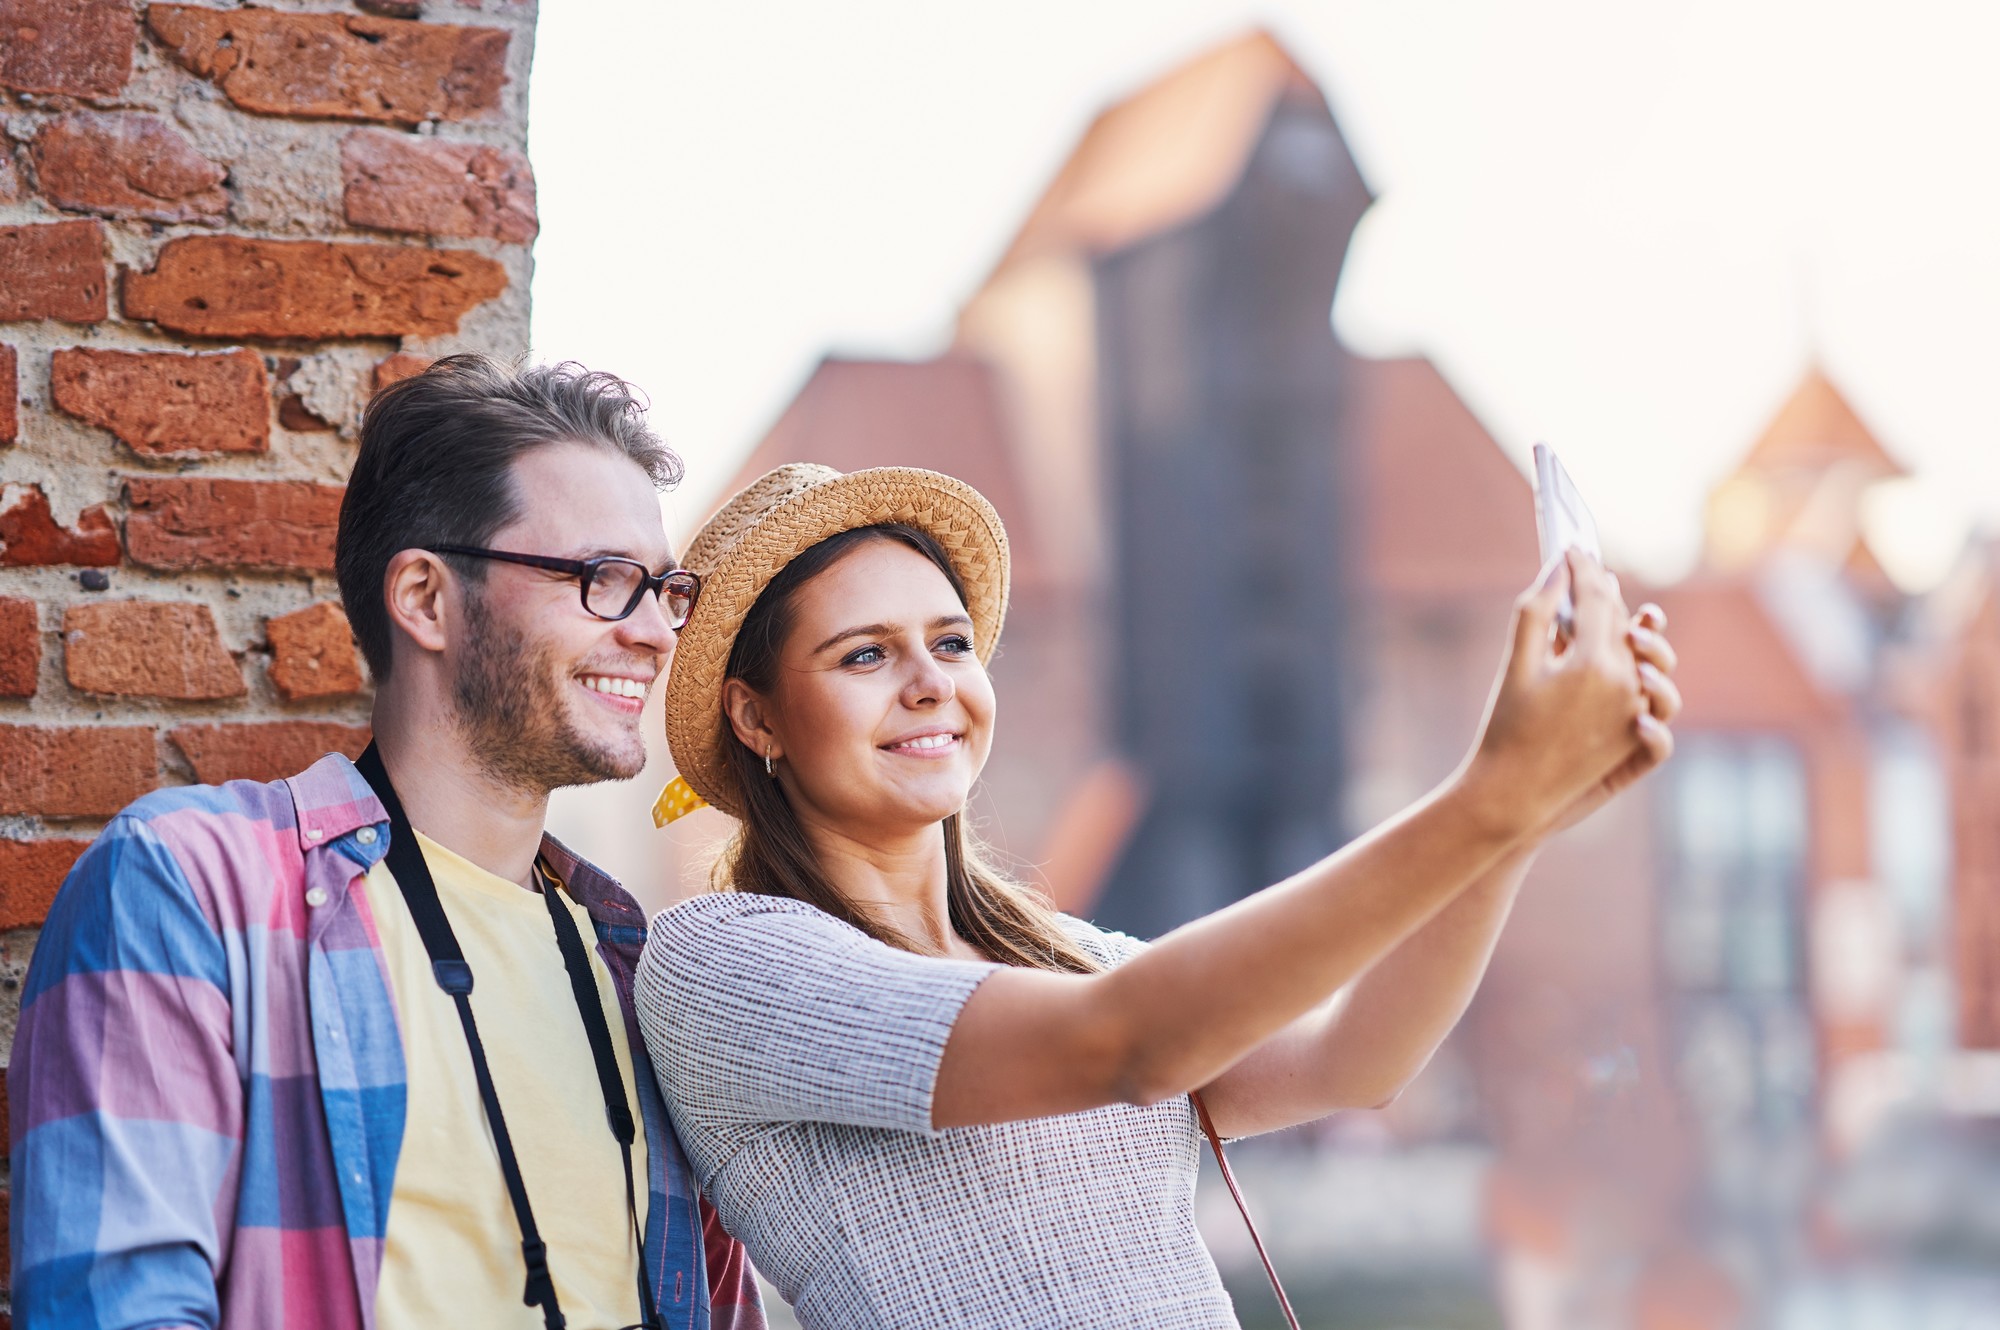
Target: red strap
1215	1143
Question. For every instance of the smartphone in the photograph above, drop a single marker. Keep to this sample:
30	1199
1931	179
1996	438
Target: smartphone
1564	522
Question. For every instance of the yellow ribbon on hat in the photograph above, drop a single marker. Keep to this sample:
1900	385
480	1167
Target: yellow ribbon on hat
676	802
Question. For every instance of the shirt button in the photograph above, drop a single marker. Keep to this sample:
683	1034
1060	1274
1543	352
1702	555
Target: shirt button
316	897
366	835
314	833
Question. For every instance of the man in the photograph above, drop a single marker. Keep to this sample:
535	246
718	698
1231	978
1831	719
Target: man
259	1082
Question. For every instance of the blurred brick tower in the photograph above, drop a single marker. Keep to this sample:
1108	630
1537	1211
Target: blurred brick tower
220	229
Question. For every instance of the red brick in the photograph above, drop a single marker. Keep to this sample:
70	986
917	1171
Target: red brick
148	648
312	653
29	535
269	751
75	770
10	395
163	402
20	646
30	872
398	367
127	165
232	286
82	48
398	182
338	66
53	271
199	522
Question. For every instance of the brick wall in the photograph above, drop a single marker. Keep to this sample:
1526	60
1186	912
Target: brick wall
220	229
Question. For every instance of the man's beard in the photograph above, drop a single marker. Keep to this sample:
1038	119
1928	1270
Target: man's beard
513	714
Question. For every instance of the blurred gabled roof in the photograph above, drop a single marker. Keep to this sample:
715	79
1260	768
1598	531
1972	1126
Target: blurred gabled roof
1738	670
1441	509
1817	428
942	415
1167	154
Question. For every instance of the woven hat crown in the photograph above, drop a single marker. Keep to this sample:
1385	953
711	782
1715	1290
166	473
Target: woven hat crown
772	521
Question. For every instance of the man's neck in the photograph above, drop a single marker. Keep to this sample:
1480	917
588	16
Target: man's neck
451	799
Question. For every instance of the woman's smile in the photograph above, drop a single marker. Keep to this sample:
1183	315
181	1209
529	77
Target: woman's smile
931	743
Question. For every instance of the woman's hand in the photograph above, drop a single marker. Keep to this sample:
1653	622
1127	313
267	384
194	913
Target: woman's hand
1570	722
1647	636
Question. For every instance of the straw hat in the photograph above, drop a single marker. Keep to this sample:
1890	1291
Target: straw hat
764	527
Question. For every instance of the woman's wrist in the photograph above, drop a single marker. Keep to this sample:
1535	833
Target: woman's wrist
1497	810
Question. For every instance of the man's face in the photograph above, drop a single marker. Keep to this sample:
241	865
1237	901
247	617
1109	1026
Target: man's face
540	685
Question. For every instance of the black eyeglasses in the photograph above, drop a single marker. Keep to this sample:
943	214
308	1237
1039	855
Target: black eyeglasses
612	586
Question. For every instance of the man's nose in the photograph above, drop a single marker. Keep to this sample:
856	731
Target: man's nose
647	628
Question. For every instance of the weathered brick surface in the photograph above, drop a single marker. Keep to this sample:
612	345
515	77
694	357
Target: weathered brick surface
82	48
166	402
29	535
10	395
201	522
398	182
268	751
398	367
338	66
52	271
20	646
75	770
232	286
127	165
148	648
30	872
312	653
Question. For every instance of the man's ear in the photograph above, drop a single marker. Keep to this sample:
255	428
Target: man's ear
415	590
750	717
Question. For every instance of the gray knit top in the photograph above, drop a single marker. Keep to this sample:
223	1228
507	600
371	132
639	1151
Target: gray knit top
798	1057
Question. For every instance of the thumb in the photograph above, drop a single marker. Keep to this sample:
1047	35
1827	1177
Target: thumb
1535	615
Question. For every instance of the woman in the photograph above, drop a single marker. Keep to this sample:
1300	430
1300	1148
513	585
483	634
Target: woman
923	1098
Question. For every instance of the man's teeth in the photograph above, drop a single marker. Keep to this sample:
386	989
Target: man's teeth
604	683
929	741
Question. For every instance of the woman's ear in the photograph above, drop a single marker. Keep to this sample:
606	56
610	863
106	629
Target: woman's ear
750	717
413	592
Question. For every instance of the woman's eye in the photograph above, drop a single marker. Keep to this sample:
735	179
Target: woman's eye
865	656
955	645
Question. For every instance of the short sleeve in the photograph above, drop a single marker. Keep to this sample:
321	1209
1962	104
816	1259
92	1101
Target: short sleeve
763	1009
1108	948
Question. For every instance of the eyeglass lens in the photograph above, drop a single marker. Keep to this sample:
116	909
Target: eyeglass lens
613	592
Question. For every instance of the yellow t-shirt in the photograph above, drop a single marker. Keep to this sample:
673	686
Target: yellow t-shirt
452	1256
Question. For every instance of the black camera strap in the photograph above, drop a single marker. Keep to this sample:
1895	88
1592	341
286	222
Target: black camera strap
454	976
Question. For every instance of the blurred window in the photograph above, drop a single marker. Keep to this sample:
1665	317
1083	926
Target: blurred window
1732	930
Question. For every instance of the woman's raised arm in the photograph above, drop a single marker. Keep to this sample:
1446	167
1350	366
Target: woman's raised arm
1030	1043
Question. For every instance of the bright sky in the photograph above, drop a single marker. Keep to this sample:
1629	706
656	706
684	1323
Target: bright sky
1623	229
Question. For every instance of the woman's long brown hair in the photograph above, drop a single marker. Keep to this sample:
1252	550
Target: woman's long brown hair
771	854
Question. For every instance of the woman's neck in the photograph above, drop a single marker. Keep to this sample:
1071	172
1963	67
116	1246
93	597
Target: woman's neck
901	881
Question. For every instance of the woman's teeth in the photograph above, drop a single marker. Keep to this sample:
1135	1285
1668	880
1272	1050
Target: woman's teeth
604	683
929	741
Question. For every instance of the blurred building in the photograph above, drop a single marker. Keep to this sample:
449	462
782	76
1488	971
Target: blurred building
1261	589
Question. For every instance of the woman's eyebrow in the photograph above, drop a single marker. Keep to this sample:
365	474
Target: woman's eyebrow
889	630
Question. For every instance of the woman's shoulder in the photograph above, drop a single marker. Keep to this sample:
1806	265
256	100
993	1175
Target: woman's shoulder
744	917
1104	945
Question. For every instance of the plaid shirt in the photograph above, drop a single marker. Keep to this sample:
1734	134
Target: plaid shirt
208	1087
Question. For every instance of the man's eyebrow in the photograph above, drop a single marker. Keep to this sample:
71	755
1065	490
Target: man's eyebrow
614	552
889	629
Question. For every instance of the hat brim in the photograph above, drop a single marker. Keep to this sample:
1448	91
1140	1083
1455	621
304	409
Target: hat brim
954	514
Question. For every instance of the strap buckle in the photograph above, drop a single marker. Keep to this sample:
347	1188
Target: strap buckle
454	977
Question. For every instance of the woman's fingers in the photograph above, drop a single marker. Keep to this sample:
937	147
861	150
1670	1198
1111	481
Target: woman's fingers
1652	648
1656	740
1535	614
1600	614
1652	616
1663	697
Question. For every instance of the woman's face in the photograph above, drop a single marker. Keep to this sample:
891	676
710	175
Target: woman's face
881	714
